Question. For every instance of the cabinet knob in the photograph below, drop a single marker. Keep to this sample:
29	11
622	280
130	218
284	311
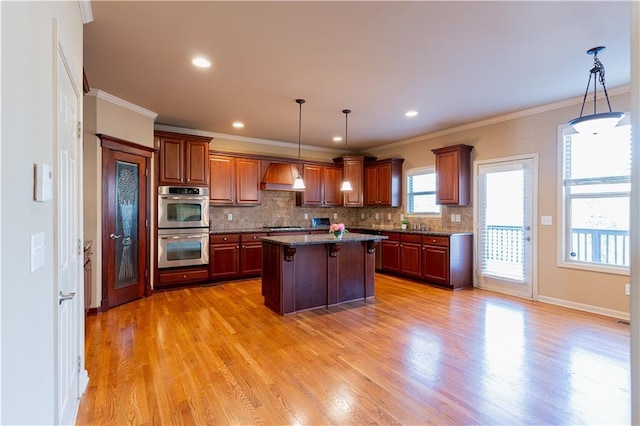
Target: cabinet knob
224	238
184	276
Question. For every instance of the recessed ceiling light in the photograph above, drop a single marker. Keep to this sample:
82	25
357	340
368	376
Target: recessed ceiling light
238	124
411	113
337	138
201	62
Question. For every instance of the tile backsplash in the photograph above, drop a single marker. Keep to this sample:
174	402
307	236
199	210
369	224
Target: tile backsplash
279	208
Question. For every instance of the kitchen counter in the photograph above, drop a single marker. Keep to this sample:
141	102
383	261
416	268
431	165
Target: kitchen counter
356	229
302	272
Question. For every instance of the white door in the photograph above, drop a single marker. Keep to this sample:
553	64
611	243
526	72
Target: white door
505	225
68	245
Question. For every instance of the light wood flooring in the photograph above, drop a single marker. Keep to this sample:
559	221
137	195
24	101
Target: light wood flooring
415	355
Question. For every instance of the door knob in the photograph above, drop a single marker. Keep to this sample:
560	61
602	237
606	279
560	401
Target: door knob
62	297
114	236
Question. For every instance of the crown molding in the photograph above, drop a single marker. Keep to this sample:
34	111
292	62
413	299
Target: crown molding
246	139
104	96
498	119
86	11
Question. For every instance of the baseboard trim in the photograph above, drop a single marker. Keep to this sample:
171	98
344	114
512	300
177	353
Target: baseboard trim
584	307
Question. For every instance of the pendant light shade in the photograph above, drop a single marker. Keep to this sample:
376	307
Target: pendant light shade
298	184
596	122
346	185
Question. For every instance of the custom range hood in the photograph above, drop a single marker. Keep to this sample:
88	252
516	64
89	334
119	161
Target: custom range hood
279	177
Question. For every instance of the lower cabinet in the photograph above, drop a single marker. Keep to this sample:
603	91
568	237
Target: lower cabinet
235	256
181	276
441	260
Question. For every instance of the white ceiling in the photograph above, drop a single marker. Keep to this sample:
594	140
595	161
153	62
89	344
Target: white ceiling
453	62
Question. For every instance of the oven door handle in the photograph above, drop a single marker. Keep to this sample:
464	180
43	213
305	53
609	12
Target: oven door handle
185	197
179	237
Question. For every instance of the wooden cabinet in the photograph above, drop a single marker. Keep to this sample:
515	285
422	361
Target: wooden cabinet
251	254
234	180
88	267
322	186
224	256
353	171
383	183
453	171
182	276
410	255
391	252
447	261
235	256
183	159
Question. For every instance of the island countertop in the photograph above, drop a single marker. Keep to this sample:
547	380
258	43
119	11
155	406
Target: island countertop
303	240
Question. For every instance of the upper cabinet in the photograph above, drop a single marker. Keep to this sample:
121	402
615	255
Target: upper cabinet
234	180
353	171
453	171
322	186
383	183
183	159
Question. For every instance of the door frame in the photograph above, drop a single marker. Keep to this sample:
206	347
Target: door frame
534	215
122	145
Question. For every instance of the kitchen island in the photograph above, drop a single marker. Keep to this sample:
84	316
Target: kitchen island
301	272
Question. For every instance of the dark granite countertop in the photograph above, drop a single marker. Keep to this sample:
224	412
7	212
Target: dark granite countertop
366	229
303	240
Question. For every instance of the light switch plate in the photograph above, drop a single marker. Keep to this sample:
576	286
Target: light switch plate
335	215
377	216
361	215
230	216
546	220
389	216
306	215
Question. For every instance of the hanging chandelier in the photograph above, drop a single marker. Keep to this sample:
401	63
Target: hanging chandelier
346	185
299	183
596	122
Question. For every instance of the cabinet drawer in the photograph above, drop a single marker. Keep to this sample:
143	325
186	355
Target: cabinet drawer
435	241
411	238
249	238
224	238
394	236
174	277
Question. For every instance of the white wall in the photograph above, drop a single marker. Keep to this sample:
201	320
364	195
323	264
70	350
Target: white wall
28	305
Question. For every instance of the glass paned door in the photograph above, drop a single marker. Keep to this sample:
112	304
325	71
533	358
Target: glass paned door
126	259
504	219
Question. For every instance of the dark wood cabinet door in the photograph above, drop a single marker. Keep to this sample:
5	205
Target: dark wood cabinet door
251	259
371	186
384	185
196	164
248	175
410	259
390	256
453	169
221	179
331	186
312	176
353	172
435	264
171	161
224	260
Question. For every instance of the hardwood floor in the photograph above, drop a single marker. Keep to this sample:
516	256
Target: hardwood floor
417	354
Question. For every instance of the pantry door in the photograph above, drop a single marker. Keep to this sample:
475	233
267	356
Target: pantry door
505	211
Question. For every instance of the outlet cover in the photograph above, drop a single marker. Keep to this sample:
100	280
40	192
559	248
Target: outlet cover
457	218
230	216
546	220
377	216
335	215
627	289
306	215
361	215
389	216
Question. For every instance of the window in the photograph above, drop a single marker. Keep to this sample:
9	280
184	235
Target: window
421	191
596	184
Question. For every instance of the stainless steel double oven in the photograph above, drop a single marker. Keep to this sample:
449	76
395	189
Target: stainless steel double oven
183	226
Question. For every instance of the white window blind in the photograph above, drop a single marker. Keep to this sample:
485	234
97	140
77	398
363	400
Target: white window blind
421	191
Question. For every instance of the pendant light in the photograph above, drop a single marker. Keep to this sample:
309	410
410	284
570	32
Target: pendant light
596	122
346	185
299	183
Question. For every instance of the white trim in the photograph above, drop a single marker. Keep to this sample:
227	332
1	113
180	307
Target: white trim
405	196
498	119
102	95
1	223
584	307
534	219
86	11
257	141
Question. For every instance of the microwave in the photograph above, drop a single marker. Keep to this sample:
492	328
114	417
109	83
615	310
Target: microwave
183	207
